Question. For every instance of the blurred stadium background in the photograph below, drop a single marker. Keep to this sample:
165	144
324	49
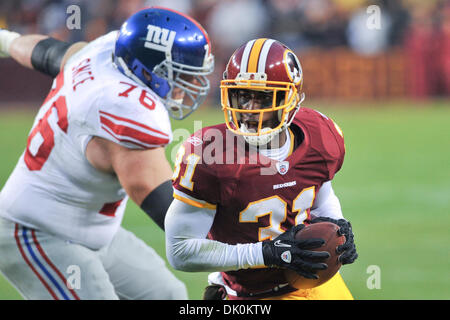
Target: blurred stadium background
385	79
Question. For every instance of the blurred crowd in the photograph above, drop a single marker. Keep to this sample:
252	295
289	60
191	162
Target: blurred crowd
366	27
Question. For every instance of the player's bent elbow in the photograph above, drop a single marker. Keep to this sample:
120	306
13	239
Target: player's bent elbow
138	190
175	259
185	265
177	264
179	257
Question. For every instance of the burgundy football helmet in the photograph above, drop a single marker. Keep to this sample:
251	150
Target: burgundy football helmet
271	72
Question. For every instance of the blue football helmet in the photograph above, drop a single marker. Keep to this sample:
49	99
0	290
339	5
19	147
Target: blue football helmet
170	53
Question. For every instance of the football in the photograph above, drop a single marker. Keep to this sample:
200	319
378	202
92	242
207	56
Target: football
328	232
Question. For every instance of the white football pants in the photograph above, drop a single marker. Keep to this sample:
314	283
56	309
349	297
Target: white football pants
41	266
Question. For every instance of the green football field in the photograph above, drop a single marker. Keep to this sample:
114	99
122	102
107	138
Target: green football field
394	187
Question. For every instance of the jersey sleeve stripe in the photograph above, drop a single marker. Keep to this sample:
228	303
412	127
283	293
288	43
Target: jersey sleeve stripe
129	121
141	145
114	124
122	132
177	194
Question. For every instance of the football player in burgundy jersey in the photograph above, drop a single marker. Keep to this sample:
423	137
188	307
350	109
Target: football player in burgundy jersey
243	189
97	140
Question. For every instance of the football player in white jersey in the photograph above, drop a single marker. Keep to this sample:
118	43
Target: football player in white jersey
97	140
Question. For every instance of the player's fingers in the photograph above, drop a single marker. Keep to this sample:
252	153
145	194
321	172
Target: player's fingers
310	266
316	266
348	257
305	274
351	259
349	243
313	255
322	219
344	231
293	231
344	247
310	243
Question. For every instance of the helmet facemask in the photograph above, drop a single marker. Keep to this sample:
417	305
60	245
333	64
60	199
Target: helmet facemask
281	99
189	86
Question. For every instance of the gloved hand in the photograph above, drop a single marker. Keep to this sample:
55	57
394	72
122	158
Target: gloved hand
348	249
215	292
6	38
285	251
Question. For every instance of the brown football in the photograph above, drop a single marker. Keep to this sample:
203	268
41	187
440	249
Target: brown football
328	232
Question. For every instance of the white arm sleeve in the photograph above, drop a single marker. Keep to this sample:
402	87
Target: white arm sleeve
327	203
187	248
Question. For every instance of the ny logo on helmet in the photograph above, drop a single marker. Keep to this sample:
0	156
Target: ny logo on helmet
160	39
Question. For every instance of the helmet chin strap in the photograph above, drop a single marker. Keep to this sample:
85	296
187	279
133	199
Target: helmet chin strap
128	72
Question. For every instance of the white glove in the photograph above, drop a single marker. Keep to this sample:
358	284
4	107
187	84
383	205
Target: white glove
6	38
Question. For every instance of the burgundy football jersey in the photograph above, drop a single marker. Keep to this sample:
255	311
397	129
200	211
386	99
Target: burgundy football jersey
257	198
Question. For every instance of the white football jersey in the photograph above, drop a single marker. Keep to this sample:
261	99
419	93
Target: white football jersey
53	187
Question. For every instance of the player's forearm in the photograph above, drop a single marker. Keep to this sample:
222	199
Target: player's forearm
38	52
22	47
196	255
188	249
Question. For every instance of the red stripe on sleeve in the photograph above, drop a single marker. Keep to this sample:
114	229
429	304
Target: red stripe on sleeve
125	140
125	132
133	122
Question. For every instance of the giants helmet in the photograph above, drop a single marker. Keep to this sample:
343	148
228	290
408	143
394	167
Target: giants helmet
164	49
265	66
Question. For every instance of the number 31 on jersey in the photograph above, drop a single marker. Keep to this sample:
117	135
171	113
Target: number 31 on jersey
277	209
274	206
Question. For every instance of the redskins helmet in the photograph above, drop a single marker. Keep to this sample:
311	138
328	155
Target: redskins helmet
271	72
